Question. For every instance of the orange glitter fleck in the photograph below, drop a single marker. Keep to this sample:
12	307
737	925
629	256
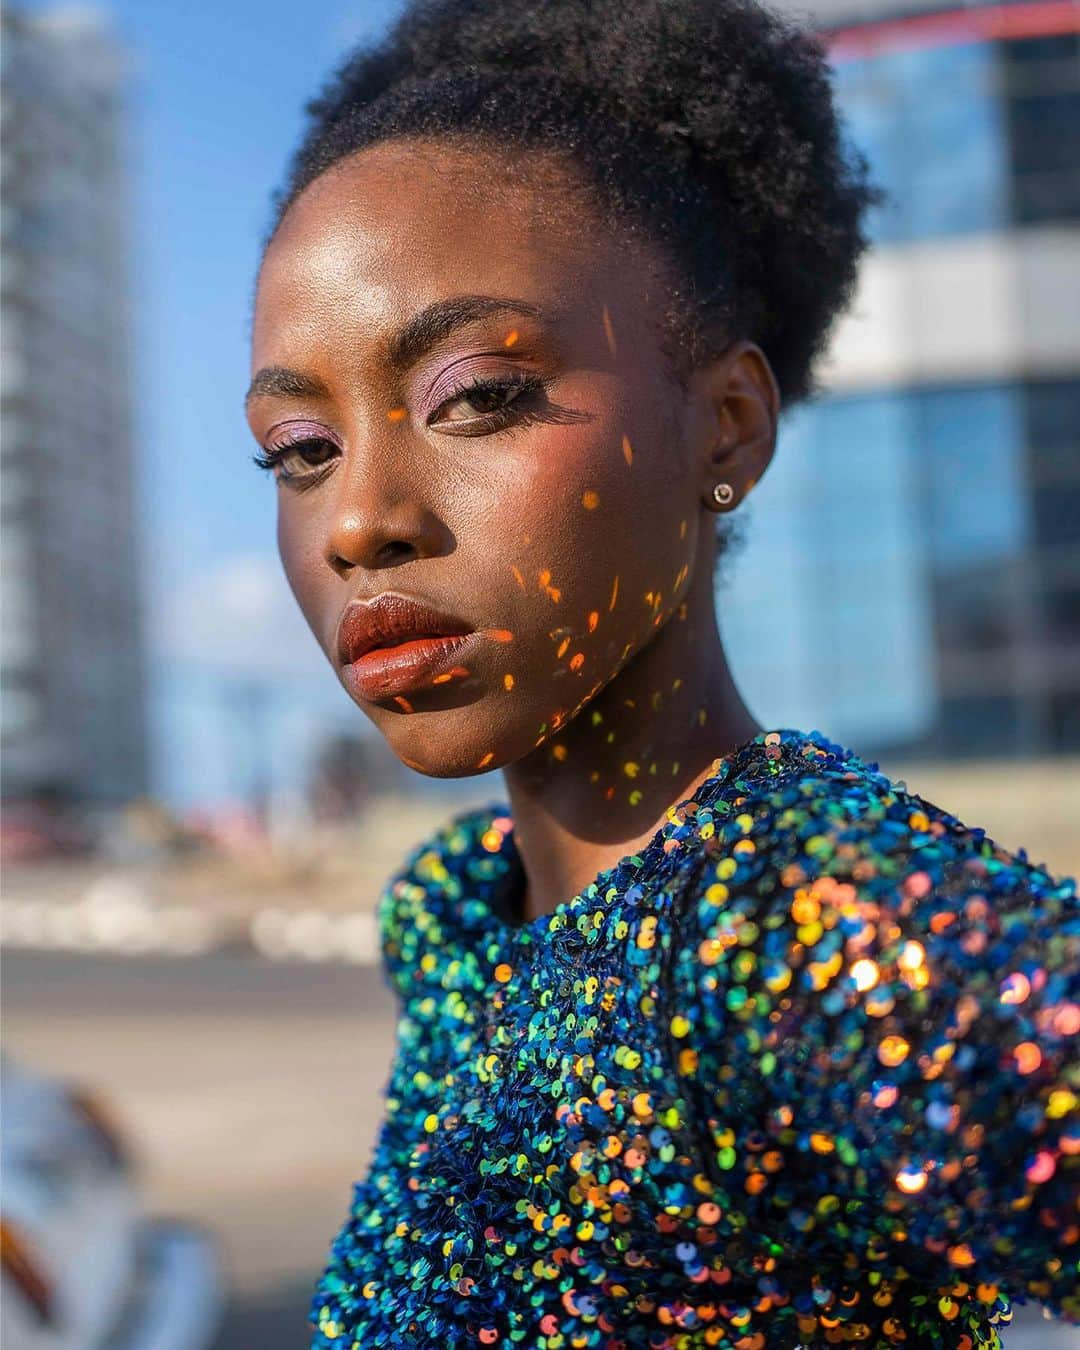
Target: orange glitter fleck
558	752
609	331
577	660
614	593
455	672
501	634
508	681
396	414
562	647
403	702
510	338
590	500
594	619
486	759
628	454
517	576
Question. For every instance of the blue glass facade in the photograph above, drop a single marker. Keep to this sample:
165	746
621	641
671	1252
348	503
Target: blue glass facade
969	137
910	554
933	125
911	574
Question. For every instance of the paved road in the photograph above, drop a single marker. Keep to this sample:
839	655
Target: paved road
253	1089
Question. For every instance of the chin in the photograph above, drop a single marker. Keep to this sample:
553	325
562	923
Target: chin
439	756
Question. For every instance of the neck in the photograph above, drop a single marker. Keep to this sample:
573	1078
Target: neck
600	787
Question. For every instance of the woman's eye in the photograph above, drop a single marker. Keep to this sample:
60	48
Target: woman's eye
292	458
493	403
490	404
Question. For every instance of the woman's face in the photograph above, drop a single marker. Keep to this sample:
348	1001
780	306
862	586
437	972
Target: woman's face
561	517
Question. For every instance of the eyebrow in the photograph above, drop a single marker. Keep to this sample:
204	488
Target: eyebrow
419	334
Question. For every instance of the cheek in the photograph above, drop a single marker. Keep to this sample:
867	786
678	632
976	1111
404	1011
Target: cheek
599	546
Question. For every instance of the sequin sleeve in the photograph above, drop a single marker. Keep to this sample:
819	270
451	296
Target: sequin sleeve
885	1021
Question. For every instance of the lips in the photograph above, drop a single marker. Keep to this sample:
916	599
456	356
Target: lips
393	643
389	620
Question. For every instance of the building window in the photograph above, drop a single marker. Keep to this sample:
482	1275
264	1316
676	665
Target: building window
932	124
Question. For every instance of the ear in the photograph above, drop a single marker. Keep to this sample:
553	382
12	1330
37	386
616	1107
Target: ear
736	408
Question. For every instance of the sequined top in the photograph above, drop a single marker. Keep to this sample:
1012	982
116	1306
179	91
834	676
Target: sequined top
803	1071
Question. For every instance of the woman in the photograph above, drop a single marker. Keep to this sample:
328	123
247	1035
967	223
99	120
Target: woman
711	1035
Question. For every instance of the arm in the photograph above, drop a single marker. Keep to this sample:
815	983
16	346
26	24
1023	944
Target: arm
893	1002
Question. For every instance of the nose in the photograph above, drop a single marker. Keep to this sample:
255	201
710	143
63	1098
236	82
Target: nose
379	518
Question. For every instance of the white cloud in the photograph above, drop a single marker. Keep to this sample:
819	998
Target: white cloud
240	617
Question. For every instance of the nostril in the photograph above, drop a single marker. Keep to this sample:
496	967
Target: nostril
394	548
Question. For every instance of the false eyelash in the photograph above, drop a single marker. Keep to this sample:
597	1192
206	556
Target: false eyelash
271	455
516	411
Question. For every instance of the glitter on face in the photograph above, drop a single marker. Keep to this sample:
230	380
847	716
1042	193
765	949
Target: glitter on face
800	1072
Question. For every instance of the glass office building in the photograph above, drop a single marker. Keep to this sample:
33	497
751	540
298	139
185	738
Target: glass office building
72	683
911	580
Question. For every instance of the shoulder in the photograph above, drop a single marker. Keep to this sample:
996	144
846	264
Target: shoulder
888	1000
832	861
436	896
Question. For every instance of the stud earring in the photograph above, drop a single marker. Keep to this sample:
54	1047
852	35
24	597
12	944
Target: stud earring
723	493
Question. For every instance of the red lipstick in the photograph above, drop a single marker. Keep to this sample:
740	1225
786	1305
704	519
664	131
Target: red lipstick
394	643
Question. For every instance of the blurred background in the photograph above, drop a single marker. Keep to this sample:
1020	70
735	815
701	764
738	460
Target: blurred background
195	820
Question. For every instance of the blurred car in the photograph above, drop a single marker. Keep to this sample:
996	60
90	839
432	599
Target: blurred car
83	1267
35	832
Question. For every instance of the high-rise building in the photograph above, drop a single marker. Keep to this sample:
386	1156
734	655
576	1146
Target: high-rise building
911	581
72	687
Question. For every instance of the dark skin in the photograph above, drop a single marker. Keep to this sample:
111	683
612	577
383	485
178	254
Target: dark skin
578	531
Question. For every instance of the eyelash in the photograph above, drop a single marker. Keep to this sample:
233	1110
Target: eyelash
500	418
